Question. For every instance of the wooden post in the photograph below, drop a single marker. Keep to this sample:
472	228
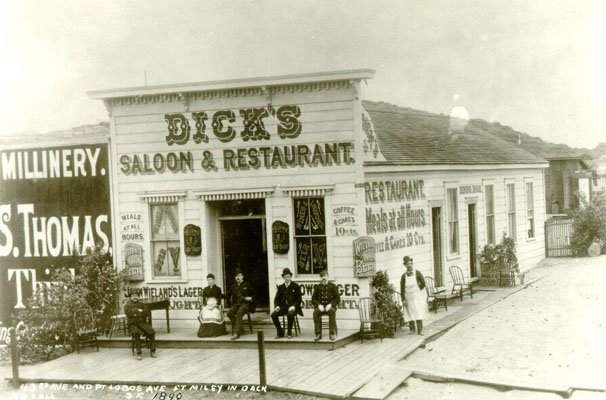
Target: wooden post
14	357
261	346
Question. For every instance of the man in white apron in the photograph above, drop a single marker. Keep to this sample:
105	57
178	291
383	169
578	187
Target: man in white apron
414	299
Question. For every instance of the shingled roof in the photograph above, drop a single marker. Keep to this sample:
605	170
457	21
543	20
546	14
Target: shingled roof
412	137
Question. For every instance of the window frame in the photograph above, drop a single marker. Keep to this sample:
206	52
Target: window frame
453	224
530	216
310	235
510	210
489	214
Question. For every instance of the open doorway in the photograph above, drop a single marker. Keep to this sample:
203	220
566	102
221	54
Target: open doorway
245	247
436	232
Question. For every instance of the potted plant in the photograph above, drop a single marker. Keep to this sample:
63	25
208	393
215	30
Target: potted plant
499	260
390	312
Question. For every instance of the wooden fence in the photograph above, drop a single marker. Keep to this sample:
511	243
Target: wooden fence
557	237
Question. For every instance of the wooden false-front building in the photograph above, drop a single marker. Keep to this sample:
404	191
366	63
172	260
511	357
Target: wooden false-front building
296	171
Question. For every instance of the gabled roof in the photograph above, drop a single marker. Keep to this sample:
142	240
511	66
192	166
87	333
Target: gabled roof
412	137
582	162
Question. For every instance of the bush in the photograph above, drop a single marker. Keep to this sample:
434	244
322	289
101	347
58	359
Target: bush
47	322
383	291
589	224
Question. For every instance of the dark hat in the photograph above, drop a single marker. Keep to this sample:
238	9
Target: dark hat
406	259
238	271
323	272
286	271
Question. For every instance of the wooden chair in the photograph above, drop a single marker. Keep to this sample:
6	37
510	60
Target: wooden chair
371	323
233	326
295	324
326	323
436	298
86	329
396	297
459	281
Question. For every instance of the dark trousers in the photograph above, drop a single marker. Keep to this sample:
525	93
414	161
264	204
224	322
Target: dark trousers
235	314
151	335
290	316
332	320
411	325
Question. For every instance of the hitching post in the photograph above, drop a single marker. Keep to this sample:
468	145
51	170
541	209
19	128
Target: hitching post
14	356
261	345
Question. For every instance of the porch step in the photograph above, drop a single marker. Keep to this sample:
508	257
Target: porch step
183	338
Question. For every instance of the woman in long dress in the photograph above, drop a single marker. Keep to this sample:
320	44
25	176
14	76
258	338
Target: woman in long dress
211	320
414	298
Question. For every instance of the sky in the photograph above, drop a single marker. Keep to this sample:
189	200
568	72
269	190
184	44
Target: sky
537	66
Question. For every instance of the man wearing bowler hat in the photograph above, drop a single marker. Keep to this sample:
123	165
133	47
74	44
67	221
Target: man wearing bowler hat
412	285
287	301
325	300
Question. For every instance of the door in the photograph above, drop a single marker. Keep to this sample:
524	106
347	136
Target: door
245	247
471	219
436	232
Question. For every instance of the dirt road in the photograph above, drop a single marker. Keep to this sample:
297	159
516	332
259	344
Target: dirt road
554	331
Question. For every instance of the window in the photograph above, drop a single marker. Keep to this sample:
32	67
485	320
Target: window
166	248
453	221
310	235
489	199
511	210
530	209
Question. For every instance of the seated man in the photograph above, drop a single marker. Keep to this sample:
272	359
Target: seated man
242	301
211	290
325	300
137	315
287	301
211	320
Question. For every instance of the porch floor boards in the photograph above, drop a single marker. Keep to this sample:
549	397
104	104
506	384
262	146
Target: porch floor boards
337	373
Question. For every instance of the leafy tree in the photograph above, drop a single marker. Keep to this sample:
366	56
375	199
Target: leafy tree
589	224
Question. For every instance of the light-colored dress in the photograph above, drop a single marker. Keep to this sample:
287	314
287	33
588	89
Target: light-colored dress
416	299
211	322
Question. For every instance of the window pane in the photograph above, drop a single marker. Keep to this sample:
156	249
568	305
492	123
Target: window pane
490	231
489	200
302	217
316	207
453	224
318	251
166	258
303	255
165	221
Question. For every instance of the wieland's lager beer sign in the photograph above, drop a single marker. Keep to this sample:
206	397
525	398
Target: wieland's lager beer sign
364	256
54	201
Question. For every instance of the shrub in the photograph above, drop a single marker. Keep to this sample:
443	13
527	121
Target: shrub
383	291
589	224
47	322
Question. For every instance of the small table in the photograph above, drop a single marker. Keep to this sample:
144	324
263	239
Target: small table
158	303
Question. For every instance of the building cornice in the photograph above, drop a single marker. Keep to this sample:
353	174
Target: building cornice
234	87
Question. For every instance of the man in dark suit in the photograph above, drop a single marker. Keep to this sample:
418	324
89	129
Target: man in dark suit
137	315
242	301
211	290
287	301
325	300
